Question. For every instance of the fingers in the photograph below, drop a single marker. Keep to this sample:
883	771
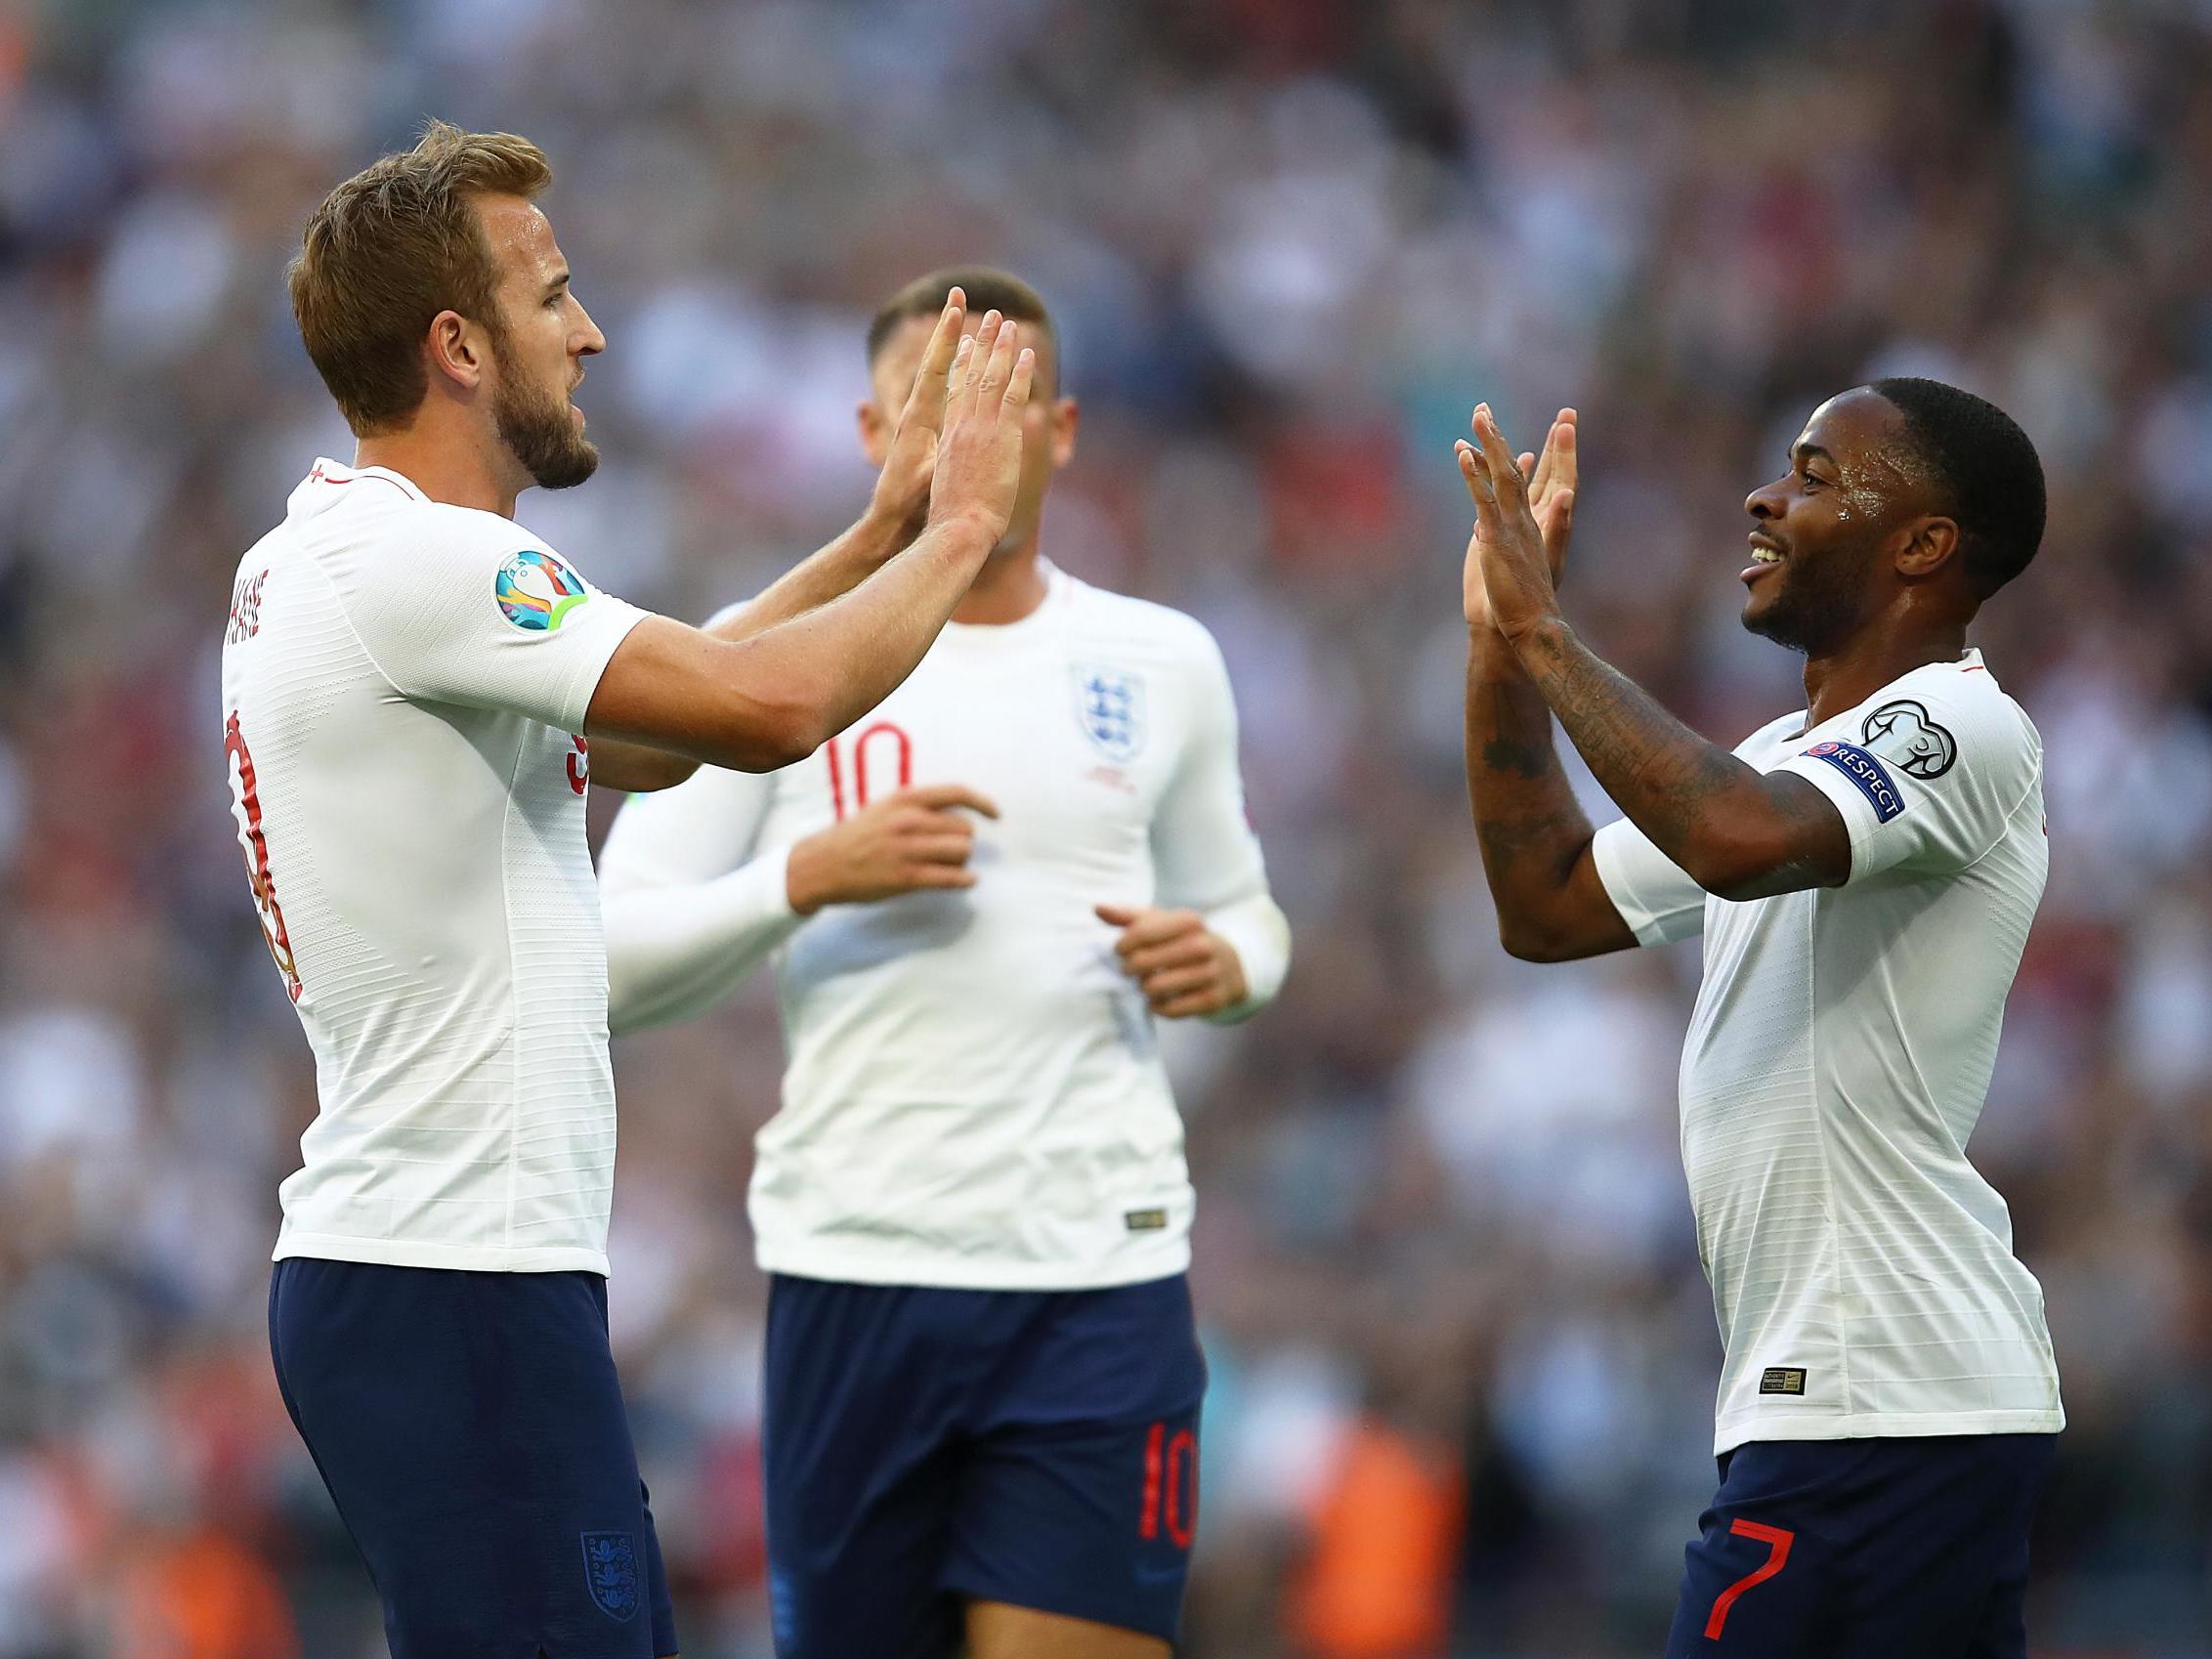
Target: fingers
1559	525
1504	477
1148	927
1115	915
1190	1005
1192	951
1018	386
1180	982
925	404
939	797
1528	465
998	367
964	360
1476	471
1565	434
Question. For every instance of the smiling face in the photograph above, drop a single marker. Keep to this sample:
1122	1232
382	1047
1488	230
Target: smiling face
1828	534
539	337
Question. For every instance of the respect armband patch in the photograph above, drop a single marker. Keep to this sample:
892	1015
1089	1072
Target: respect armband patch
1868	774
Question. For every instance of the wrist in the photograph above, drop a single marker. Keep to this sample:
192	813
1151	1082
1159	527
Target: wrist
971	530
805	886
1540	628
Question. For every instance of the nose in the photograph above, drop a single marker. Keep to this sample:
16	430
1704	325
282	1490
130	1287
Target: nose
1766	502
593	341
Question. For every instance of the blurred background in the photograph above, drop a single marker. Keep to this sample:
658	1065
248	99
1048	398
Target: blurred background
1463	1357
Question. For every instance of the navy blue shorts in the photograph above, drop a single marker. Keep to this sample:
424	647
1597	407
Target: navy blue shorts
472	1435
1887	1549
931	1447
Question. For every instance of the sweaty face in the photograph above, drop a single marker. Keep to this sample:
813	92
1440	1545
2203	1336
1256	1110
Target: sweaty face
1049	422
1817	570
538	345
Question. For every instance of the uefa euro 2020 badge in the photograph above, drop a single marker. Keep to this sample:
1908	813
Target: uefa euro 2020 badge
1110	709
609	1570
537	591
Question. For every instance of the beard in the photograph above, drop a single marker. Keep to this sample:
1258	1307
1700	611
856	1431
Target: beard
539	431
1816	602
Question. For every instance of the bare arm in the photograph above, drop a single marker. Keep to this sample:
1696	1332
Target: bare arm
771	698
1535	839
895	512
1741	834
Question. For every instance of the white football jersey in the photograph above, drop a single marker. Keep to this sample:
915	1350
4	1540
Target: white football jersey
1839	1055
403	690
973	1097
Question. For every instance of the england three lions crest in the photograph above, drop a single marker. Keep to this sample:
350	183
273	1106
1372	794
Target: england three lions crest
1110	709
609	1572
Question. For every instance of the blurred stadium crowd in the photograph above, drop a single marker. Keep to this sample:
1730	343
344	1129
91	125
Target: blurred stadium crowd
1463	1354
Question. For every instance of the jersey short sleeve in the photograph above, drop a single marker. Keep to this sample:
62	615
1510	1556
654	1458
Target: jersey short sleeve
464	607
1928	776
1660	900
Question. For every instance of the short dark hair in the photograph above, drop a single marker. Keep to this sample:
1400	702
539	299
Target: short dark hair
987	289
1985	467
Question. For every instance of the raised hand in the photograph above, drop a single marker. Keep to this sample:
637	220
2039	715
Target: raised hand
979	455
1551	481
909	842
1524	519
902	488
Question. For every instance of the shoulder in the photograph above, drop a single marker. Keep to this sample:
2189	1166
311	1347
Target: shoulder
1152	633
1947	716
1772	738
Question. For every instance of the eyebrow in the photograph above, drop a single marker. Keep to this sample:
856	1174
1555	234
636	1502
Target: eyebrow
1807	451
556	282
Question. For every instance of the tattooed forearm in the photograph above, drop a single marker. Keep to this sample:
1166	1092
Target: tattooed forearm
1730	826
1532	831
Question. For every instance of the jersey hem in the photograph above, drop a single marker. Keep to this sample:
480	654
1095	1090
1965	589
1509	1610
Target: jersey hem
1886	1426
468	1259
955	1273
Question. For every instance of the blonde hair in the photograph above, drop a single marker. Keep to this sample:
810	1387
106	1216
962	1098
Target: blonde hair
392	248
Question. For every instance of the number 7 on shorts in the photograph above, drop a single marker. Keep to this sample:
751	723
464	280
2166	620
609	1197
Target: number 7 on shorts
1777	1543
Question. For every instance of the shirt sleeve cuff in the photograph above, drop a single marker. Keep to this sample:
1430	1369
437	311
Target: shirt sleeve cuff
1256	929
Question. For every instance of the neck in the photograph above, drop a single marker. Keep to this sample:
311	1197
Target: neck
1007	588
458	466
1850	675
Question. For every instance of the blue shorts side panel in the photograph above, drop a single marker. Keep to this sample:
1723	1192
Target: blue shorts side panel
1883	1548
471	1431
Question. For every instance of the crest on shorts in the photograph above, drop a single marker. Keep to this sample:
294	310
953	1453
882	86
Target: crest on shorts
609	1570
1110	709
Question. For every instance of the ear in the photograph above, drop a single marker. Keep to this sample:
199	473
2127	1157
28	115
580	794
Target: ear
874	432
1931	544
458	351
1065	418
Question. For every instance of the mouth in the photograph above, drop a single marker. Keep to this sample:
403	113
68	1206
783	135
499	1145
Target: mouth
1764	556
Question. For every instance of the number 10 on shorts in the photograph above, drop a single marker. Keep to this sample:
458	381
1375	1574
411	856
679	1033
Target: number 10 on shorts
1170	1485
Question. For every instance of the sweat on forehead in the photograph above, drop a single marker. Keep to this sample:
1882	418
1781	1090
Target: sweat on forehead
1868	440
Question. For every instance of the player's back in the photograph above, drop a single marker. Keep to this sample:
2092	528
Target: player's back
414	833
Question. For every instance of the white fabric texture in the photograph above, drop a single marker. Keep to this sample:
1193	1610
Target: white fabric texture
1838	1060
404	684
974	1097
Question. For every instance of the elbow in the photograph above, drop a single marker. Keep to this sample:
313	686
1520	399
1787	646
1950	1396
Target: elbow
1529	944
1737	868
769	736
